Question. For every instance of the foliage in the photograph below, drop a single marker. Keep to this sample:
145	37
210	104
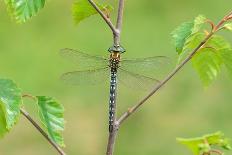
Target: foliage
206	143
10	102
23	10
181	34
50	111
83	9
210	58
207	63
51	115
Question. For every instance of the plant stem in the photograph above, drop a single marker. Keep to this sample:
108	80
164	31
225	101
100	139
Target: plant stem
119	22
106	19
162	83
111	140
117	36
29	118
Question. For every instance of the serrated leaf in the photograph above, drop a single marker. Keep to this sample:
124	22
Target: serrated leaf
23	10
10	101
198	23
207	63
191	43
51	115
181	34
186	30
218	42
83	9
226	55
207	72
214	44
228	26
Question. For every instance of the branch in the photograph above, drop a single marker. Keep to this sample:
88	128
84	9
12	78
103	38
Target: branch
106	19
28	117
117	37
178	68
225	19
119	22
162	83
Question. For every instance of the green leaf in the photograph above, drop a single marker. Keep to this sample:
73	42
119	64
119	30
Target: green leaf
51	114
198	23
218	42
225	144
205	143
228	26
184	31
191	43
207	63
23	10
226	55
83	9
214	139
10	102
181	34
192	143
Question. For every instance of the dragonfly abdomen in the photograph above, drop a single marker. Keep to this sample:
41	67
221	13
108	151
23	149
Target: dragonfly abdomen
112	101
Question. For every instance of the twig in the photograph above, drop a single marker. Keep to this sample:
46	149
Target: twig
162	83
28	117
119	22
225	19
106	19
117	36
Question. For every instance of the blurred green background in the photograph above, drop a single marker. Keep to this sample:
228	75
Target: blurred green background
183	108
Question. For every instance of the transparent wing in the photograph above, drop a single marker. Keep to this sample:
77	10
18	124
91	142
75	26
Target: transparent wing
137	81
156	66
84	60
87	77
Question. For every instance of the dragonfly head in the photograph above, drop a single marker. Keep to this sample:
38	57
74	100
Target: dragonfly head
116	48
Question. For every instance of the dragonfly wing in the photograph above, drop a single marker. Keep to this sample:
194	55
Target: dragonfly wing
84	60
156	66
87	77
137	81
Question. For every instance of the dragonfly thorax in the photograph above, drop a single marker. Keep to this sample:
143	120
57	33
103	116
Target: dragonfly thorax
114	61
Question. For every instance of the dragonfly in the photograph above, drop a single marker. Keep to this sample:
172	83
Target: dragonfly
97	69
